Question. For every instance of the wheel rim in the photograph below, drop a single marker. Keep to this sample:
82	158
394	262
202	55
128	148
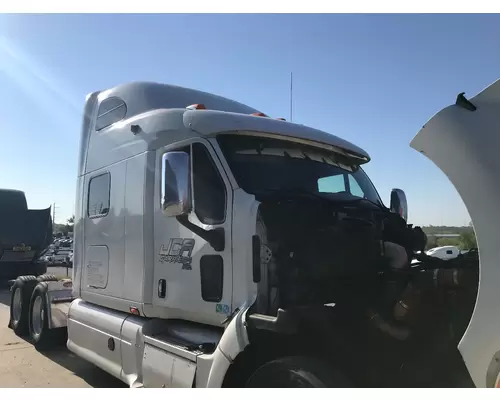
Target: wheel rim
17	305
38	315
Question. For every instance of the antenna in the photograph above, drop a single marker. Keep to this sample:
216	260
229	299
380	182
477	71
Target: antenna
291	95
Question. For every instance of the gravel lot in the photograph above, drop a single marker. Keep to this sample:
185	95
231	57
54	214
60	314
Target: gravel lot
22	366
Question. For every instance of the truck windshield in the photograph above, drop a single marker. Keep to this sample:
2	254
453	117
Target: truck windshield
262	164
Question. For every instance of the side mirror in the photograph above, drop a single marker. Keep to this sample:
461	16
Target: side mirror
399	204
175	184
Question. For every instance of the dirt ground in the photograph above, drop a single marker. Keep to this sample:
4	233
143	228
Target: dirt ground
23	366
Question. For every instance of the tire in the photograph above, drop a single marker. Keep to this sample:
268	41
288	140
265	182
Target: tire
297	372
42	337
47	278
19	304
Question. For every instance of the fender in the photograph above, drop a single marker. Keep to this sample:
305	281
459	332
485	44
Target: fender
463	140
213	368
58	298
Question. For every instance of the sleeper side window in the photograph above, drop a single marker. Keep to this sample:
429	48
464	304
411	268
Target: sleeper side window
209	190
111	110
99	196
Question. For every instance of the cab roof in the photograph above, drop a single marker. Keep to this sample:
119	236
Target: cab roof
141	97
135	117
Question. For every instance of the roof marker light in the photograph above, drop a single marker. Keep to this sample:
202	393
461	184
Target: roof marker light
259	114
196	107
281	119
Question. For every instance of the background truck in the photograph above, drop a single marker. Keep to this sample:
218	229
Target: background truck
215	246
24	234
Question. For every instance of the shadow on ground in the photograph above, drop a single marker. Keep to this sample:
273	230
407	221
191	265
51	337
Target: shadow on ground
91	374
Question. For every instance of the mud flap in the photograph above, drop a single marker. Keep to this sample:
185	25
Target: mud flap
464	142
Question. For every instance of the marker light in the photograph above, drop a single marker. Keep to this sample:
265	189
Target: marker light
196	107
134	310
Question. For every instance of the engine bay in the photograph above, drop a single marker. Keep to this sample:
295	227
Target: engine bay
354	276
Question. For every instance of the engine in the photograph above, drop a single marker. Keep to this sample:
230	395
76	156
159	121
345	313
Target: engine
322	251
356	257
318	265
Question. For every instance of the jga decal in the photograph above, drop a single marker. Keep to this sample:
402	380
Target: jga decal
178	251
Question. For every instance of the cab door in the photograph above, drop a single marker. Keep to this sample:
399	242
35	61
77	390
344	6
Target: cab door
193	270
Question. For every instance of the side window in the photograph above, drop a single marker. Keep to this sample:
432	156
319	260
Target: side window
209	191
110	111
355	188
449	252
331	184
98	197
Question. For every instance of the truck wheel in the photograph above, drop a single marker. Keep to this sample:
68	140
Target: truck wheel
41	336
297	372
47	278
19	303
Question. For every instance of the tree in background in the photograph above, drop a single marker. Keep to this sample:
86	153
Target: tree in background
432	242
449	241
465	241
468	240
65	229
70	223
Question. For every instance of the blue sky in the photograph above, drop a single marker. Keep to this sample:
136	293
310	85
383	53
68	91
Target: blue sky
372	79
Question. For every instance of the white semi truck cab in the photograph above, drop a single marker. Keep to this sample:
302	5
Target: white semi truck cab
215	246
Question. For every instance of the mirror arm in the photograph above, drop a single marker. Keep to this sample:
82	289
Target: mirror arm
215	237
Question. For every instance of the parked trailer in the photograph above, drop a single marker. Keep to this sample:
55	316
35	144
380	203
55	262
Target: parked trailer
215	246
24	234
